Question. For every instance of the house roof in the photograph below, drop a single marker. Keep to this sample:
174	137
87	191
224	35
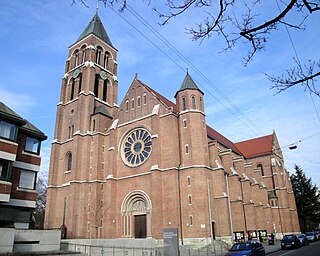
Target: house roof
256	147
163	99
96	28
29	128
9	114
249	148
102	110
213	134
188	84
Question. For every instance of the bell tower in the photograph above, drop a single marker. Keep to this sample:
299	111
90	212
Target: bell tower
88	102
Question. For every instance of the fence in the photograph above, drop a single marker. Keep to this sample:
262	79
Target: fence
185	250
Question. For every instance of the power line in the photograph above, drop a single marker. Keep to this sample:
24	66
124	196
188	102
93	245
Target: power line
180	55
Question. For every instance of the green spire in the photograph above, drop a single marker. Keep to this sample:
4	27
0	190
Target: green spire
96	28
188	84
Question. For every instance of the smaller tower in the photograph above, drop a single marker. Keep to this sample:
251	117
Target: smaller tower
192	124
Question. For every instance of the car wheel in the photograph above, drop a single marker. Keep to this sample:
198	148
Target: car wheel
282	247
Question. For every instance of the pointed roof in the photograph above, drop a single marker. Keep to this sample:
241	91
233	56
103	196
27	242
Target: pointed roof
102	110
96	28
256	147
9	114
188	84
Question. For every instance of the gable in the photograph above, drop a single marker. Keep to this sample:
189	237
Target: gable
140	101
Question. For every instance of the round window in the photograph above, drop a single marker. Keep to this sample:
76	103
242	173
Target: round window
136	147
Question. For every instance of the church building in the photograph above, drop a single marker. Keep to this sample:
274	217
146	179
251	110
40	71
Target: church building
134	169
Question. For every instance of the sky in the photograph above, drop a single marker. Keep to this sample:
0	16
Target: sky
35	36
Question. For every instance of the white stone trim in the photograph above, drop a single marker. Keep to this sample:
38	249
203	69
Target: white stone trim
9	142
4	197
27	190
30	154
26	166
111	148
7	156
135	120
21	203
2	182
76	181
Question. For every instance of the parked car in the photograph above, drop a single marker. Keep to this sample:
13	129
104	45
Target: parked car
290	241
252	248
303	239
311	236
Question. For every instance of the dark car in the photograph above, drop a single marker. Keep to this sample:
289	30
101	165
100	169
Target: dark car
290	241
303	239
311	236
252	248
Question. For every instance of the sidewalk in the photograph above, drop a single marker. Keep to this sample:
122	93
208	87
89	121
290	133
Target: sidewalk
272	248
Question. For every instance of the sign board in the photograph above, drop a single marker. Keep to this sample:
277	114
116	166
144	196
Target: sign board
171	242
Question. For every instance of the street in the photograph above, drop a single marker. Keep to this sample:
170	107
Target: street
312	250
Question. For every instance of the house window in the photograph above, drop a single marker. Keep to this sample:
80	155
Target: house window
94	125
145	99
27	179
138	101
32	145
5	169
193	100
77	58
127	105
69	162
8	131
187	149
190	199
201	104
132	103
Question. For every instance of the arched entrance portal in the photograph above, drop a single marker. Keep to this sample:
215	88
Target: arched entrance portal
136	211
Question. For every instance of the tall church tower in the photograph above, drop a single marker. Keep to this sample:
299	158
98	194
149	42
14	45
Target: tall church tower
88	101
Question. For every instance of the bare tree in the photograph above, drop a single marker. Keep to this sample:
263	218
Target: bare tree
236	20
39	211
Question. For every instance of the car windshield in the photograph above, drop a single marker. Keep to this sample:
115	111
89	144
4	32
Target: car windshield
300	236
288	237
241	247
309	234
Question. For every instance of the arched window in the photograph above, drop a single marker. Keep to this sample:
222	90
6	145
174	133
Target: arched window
69	161
76	55
193	99
83	55
98	55
80	83
106	60
105	90
94	125
184	104
69	132
96	85
72	89
201	104
260	166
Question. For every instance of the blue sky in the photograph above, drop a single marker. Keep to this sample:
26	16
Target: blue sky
35	36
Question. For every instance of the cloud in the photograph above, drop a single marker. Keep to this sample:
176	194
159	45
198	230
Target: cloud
22	104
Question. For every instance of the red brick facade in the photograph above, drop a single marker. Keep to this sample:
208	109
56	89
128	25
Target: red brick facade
155	158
